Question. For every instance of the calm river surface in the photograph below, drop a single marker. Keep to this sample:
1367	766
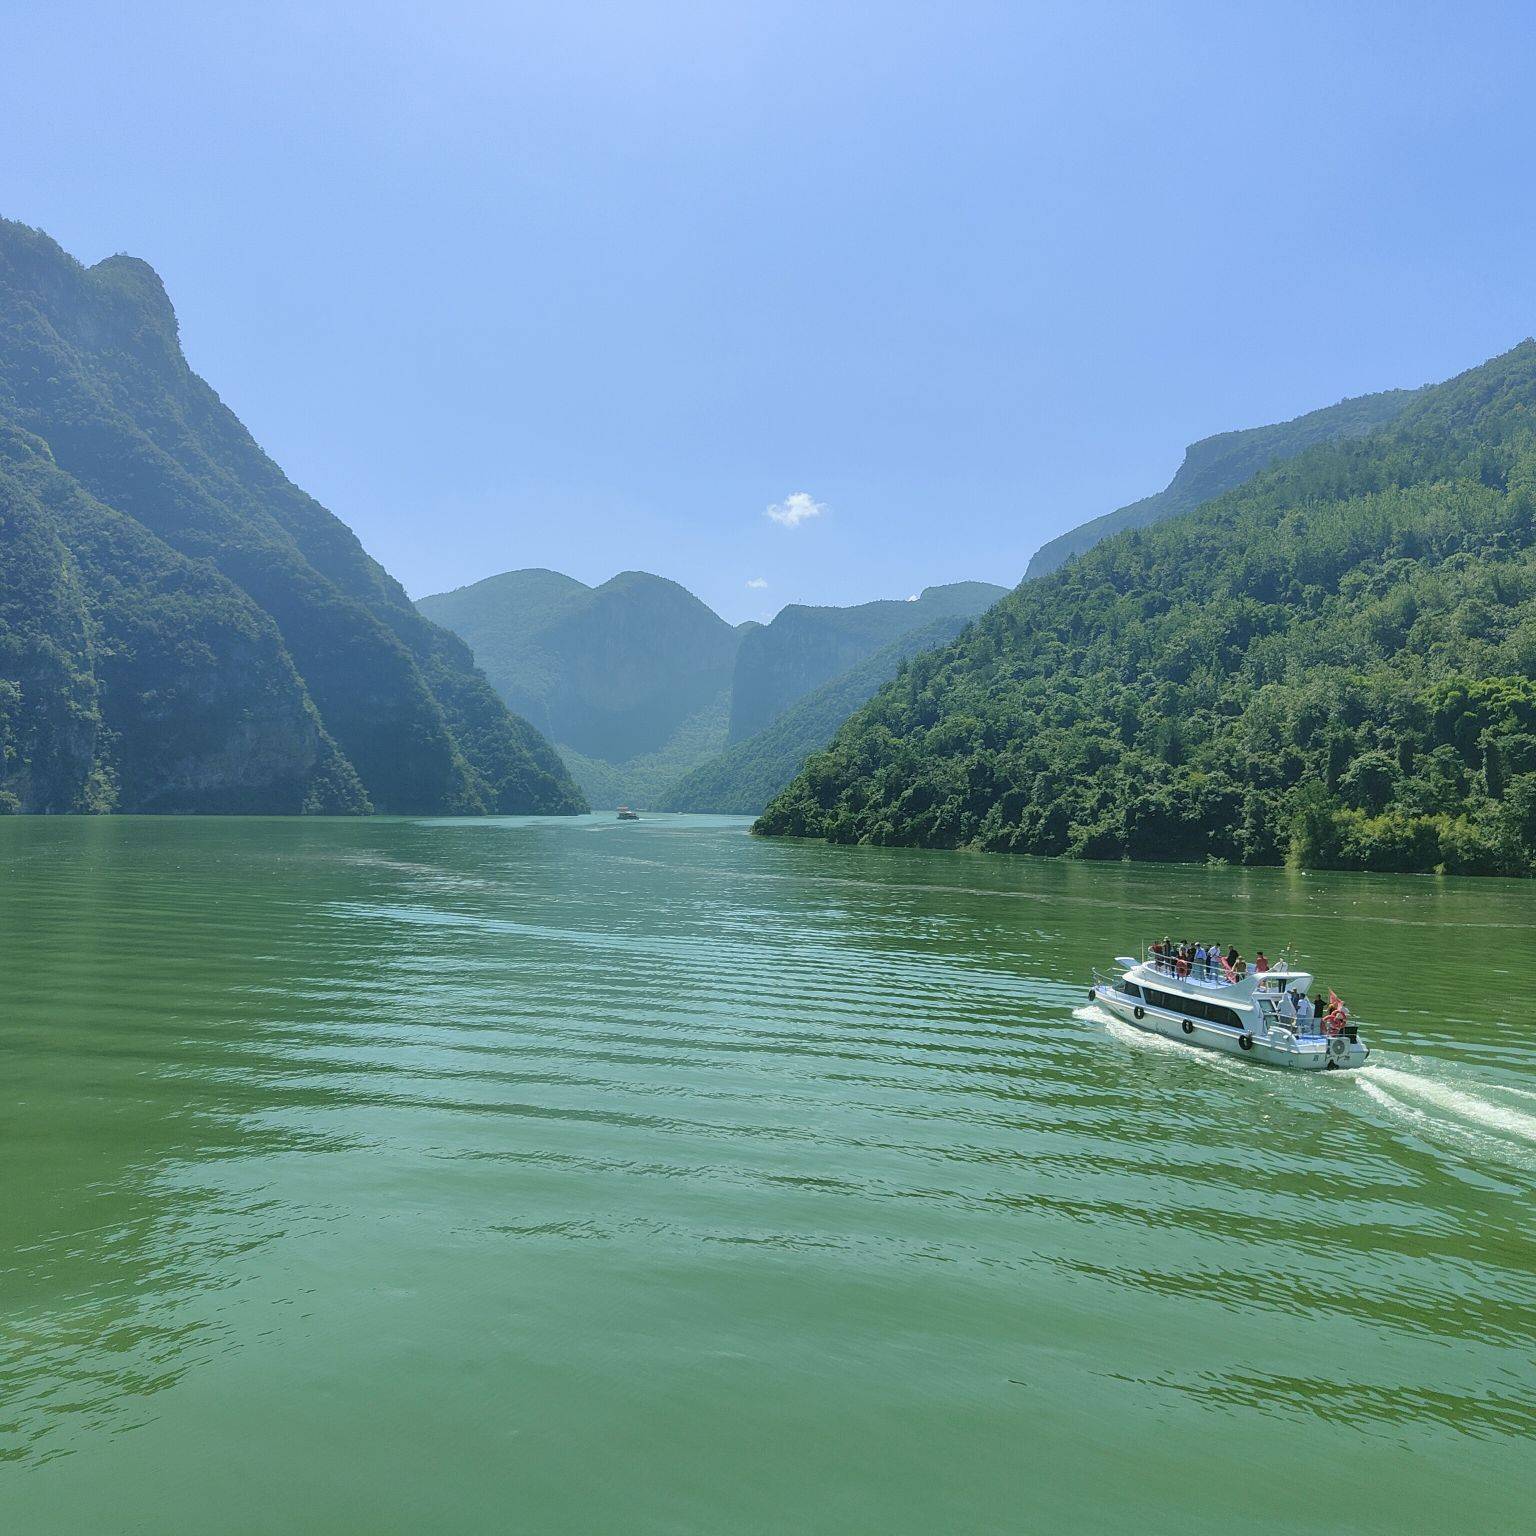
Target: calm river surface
570	1176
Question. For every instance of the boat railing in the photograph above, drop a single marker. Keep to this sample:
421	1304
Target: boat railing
1210	973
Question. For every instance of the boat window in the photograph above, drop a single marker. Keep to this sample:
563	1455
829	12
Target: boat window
1193	1008
1132	990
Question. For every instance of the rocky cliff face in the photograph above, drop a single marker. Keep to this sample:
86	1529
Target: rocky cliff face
182	628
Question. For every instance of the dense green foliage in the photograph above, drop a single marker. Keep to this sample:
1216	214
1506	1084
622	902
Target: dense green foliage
1334	663
1219	464
741	780
181	628
805	647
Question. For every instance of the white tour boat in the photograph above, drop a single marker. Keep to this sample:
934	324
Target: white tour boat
1249	1017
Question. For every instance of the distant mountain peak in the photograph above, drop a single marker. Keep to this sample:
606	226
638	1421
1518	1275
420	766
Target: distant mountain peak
135	278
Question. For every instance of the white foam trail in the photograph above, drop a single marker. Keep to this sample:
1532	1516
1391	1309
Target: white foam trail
1145	1039
1524	1093
1457	1101
1394	1106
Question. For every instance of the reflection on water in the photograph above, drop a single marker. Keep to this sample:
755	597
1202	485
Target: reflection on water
585	1176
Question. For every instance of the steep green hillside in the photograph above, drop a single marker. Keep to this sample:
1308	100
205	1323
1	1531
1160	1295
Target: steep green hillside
741	780
1336	662
631	679
184	629
805	647
611	673
1218	464
646	781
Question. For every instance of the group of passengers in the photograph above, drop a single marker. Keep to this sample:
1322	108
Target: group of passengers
1208	963
1205	962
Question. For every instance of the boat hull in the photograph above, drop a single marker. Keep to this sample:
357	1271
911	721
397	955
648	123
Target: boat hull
1306	1054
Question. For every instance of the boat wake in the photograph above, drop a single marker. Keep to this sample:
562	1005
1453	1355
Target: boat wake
1473	1117
1417	1094
1464	1104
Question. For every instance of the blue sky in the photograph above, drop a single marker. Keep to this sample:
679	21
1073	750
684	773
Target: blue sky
594	286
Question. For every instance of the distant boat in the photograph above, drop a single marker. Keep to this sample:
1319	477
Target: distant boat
625	814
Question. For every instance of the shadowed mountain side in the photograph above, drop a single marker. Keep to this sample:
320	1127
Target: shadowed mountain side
644	781
805	647
612	672
746	776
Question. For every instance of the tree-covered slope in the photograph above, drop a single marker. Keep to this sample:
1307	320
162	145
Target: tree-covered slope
645	781
1335	661
805	647
1217	464
238	648
611	672
743	778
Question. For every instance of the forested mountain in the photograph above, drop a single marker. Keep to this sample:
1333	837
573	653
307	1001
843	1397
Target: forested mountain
1335	661
631	679
181	628
637	681
741	780
1218	464
611	671
805	647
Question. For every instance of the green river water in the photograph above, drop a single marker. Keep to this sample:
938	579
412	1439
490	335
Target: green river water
572	1176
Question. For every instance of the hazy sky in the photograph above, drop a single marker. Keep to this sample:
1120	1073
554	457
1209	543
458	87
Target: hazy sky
596	286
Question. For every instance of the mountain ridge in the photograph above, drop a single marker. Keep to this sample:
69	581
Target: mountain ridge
805	646
1216	464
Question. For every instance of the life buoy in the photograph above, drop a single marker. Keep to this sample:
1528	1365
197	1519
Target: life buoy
1139	1011
1189	1028
1246	1041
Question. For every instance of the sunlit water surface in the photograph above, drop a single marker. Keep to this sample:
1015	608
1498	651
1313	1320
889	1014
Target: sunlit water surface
571	1176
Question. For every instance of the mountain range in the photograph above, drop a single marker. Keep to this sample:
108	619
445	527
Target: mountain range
1333	662
642	686
181	627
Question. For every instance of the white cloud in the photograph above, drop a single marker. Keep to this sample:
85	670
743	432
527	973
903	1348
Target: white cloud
795	509
913	598
757	583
